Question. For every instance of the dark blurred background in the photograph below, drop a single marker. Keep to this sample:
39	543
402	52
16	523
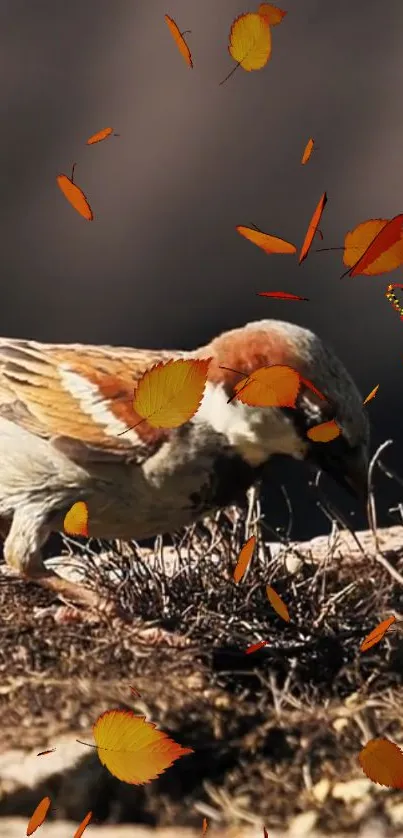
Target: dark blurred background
162	265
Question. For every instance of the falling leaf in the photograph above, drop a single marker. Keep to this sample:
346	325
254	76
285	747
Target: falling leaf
76	520
281	295
377	634
75	196
382	761
371	395
275	386
244	558
84	823
39	815
271	14
42	753
307	151
132	749
270	244
324	432
255	647
374	247
179	40
204	828
250	41
170	393
100	135
277	603
391	296
312	227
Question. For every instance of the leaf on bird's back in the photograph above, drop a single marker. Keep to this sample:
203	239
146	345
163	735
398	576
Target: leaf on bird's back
75	196
99	136
324	432
83	825
312	228
371	395
277	603
244	558
250	41
179	40
132	749
281	295
37	818
275	386
377	634
270	244
170	393
374	247
382	761
272	14
76	519
307	151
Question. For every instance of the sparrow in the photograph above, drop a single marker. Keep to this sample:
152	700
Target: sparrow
66	434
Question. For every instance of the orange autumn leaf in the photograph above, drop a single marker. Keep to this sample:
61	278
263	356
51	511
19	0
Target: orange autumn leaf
82	826
377	634
132	749
281	295
270	244
275	386
204	827
100	135
277	603
374	247
371	395
255	647
324	432
75	196
42	753
244	558
272	14
179	40
76	520
382	761
307	151
39	815
312	227
250	41
170	393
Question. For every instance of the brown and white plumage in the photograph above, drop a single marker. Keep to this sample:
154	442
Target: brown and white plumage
63	409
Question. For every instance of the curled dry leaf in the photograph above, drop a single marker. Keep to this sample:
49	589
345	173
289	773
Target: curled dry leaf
307	151
374	247
244	558
179	40
382	761
270	244
377	634
272	14
256	647
99	136
277	603
324	432
83	825
371	395
312	228
281	295
132	749
250	41
170	393
391	297
76	520
37	818
75	196
275	386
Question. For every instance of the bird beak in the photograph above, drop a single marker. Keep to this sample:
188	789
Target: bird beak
348	468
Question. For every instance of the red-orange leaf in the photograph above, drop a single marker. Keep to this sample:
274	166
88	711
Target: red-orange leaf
39	815
100	135
179	40
382	761
75	196
281	295
255	647
377	634
84	823
272	14
270	244
244	558
277	603
383	253
312	227
307	151
204	827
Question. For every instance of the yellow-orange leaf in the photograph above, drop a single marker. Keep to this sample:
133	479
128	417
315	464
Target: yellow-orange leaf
179	40
244	558
272	14
170	393
132	749
99	136
324	432
277	603
84	823
312	228
382	761
270	244
377	634
75	196
374	247
38	817
250	41
371	395
275	386
76	520
307	151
